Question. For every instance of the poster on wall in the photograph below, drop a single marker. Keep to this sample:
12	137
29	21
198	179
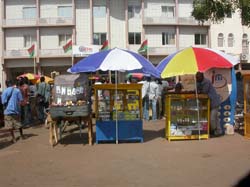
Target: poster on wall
224	81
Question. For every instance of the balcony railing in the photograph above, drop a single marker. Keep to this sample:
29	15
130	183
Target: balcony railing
162	20
191	21
56	21
61	21
54	53
19	22
23	53
161	50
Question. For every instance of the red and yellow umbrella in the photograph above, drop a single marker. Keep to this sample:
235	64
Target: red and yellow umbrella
30	76
193	59
47	80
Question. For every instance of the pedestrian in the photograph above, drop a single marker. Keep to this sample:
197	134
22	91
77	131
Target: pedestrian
153	97
25	106
42	98
204	86
240	91
12	99
159	100
145	97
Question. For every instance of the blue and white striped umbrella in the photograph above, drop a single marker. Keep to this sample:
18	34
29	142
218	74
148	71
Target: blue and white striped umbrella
115	60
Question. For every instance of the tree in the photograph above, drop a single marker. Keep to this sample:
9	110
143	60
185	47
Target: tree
217	10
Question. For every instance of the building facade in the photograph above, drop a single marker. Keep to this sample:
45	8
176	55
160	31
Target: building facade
49	25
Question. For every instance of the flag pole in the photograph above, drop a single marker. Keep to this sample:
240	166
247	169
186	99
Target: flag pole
34	63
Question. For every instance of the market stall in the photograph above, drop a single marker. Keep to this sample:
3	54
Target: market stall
119	114
182	116
246	83
70	102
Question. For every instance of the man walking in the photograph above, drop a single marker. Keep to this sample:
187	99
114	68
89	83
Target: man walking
12	99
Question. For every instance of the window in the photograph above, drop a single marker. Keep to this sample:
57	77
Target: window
99	38
99	11
28	40
29	12
168	11
64	38
245	44
134	38
200	39
65	11
220	40
230	40
134	11
168	38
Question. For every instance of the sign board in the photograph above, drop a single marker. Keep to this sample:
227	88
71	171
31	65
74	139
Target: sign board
86	50
70	88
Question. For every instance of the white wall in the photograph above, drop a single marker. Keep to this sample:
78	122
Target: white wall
117	24
185	8
14	9
15	37
83	26
154	35
50	37
186	37
48	8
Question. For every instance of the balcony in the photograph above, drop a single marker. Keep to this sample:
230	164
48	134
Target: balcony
16	53
57	21
191	21
44	53
19	22
162	50
162	20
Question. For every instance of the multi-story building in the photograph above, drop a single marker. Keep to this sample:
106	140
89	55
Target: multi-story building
166	24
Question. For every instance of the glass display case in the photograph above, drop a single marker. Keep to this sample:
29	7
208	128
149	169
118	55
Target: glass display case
187	116
247	106
118	112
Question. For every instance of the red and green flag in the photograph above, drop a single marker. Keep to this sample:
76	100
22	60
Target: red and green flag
105	46
31	51
144	47
67	46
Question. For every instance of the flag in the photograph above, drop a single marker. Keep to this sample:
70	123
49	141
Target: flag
31	51
105	46
144	47
67	46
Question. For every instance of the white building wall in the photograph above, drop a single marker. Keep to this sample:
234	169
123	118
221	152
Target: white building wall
83	36
185	8
186	36
50	37
49	8
117	24
15	37
14	9
230	25
154	35
153	8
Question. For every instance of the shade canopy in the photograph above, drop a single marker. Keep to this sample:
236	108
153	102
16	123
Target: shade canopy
115	60
193	59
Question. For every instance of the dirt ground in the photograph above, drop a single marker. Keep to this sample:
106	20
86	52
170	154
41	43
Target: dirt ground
217	162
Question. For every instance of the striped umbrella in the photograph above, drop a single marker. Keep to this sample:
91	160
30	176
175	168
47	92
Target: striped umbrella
193	59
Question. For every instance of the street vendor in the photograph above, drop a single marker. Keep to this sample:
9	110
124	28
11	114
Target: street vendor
205	86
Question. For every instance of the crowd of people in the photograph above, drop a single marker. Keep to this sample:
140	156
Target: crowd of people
24	104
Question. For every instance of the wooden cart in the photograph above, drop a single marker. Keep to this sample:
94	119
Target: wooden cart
70	105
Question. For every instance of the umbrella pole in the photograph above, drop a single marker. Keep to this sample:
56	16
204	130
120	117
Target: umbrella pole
34	63
116	121
198	109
